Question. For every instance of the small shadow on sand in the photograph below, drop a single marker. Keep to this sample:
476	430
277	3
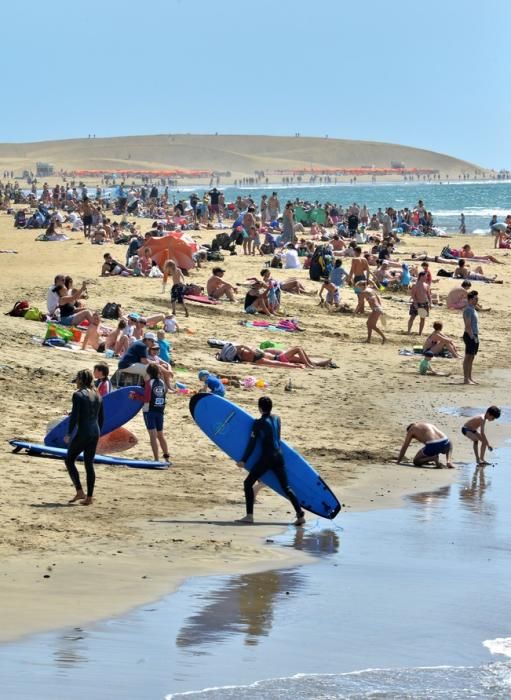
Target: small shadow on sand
52	505
228	523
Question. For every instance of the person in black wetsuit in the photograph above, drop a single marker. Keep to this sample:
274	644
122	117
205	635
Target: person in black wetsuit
87	418
267	430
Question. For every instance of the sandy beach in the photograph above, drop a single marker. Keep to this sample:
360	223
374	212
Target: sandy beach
63	565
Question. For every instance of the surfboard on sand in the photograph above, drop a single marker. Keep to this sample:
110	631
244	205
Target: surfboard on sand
229	427
56	452
118	409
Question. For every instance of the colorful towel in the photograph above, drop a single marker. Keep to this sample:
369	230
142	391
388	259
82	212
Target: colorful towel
285	324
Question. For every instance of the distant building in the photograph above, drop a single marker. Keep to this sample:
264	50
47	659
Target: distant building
43	169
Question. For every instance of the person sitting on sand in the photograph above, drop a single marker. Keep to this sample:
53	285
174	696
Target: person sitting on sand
256	300
211	383
435	443
374	301
457	298
69	314
52	299
112	268
217	287
463	272
289	257
273	357
426	368
474	430
436	342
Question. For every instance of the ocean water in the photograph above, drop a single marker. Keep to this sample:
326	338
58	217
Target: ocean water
479	201
409	603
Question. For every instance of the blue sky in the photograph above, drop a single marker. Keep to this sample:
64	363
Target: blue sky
428	74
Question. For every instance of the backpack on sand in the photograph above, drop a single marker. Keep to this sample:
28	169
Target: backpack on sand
111	311
19	309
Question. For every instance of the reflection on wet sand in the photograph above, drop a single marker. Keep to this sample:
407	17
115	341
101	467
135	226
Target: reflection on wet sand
428	501
245	604
70	649
472	493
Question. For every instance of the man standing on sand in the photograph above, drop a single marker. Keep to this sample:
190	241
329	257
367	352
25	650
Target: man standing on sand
359	272
274	207
421	302
435	443
470	336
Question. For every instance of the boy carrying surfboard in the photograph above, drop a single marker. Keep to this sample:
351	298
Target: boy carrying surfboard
266	430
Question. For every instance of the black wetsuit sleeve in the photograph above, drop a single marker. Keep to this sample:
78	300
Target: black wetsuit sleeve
256	428
75	411
101	415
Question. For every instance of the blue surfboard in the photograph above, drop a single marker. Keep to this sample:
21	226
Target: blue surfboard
33	448
229	427
118	409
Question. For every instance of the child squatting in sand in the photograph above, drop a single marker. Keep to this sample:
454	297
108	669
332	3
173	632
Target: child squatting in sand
474	429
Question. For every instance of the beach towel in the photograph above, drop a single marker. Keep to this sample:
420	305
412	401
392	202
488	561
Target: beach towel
284	324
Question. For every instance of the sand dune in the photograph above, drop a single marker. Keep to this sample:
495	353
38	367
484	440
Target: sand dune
238	154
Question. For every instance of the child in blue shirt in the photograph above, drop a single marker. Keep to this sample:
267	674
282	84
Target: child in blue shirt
211	383
165	347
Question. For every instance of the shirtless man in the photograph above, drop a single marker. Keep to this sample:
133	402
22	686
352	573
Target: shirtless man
420	295
216	287
274	206
435	443
374	301
457	298
359	272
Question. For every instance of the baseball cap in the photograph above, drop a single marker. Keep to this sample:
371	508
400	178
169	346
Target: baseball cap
203	374
150	336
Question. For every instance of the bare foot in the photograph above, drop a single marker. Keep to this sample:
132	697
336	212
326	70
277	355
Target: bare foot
449	465
80	496
247	520
299	521
88	501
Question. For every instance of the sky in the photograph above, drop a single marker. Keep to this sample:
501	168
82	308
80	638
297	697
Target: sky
430	74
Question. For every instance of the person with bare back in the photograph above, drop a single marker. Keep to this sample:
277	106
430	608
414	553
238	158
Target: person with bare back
374	302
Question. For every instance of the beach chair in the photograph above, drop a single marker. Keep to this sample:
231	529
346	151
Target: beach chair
121	379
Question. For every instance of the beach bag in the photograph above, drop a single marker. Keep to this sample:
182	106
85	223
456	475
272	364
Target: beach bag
19	309
444	273
111	311
193	290
33	314
228	353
